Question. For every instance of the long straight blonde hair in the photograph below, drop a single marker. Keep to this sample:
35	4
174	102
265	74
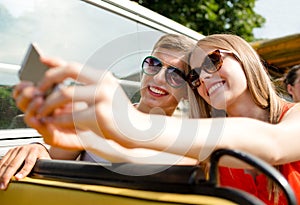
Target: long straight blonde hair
259	84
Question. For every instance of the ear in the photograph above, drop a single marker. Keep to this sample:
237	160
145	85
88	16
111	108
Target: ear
290	89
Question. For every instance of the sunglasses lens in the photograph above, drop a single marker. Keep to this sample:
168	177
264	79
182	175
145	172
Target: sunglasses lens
175	77
151	66
213	62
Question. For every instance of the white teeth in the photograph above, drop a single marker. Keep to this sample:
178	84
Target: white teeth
155	90
214	87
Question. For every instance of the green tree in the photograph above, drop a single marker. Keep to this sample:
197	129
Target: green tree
8	109
211	16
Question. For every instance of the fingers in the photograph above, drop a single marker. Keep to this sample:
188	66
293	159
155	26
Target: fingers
6	169
31	118
57	75
63	121
14	159
56	100
24	94
19	87
65	95
54	74
82	119
37	152
99	95
60	70
53	62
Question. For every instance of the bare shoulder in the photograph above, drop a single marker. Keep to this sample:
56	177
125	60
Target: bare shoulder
292	113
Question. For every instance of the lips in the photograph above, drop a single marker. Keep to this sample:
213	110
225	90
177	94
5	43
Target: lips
156	91
214	87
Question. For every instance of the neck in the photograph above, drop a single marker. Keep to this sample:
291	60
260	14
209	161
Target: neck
248	108
254	112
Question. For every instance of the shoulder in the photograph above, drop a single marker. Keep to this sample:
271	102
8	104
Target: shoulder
290	110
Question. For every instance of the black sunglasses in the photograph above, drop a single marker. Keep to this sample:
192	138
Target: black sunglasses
174	76
211	64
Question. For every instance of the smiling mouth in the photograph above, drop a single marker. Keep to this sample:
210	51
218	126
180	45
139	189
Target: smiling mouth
214	88
157	91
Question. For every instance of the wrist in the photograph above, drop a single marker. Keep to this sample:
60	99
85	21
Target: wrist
44	146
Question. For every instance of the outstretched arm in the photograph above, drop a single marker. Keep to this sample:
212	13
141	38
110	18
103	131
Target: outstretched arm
110	114
113	152
195	138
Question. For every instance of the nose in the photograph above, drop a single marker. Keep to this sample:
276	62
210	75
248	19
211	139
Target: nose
160	76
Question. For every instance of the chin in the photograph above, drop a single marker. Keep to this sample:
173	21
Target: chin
219	104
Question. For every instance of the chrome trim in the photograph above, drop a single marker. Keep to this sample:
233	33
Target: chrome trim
136	12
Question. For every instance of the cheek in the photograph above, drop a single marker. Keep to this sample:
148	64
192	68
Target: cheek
143	86
145	80
234	75
202	91
241	81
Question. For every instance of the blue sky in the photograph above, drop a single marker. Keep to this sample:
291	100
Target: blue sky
282	18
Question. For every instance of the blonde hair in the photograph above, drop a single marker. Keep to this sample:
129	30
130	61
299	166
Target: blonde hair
259	83
177	42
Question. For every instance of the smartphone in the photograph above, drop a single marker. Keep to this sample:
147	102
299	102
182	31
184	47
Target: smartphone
32	69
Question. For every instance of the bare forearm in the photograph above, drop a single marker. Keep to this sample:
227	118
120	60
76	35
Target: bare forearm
57	153
113	152
261	139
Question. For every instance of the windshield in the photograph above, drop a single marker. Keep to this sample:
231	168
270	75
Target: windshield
72	30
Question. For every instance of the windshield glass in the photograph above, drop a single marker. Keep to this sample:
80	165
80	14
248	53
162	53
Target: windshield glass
68	29
72	30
